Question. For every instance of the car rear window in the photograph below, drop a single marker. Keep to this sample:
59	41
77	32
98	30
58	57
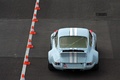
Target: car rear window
73	42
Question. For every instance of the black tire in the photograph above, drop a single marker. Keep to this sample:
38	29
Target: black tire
96	67
96	48
50	67
50	46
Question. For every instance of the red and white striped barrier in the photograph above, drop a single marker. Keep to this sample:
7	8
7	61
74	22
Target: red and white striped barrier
37	6
26	61
29	44
22	77
32	30
34	18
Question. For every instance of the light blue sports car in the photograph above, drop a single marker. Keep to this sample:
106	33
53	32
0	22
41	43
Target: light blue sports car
73	48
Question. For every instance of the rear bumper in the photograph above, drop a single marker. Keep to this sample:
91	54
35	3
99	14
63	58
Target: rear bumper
81	66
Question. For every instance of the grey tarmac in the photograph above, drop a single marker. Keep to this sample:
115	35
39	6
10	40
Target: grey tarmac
15	21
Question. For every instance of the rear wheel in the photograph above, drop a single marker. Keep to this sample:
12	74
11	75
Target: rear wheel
50	46
96	47
96	67
50	67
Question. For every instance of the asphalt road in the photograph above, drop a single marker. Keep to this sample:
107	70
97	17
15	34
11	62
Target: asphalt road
15	21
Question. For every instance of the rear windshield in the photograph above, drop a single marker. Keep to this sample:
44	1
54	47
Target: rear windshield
73	42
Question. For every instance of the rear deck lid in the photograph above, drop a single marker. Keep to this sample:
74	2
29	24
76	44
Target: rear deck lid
73	57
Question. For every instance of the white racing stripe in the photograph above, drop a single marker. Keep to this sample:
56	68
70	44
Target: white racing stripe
71	33
71	58
28	49
75	54
75	57
75	31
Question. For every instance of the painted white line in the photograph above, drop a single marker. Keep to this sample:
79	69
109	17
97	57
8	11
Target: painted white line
28	49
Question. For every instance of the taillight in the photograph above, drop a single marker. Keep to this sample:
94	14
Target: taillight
56	31
90	31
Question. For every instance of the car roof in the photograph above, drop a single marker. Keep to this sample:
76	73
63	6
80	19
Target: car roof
73	32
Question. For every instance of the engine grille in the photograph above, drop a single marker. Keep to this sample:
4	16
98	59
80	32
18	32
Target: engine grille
73	50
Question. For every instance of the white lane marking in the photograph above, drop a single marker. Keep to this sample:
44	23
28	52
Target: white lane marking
28	49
